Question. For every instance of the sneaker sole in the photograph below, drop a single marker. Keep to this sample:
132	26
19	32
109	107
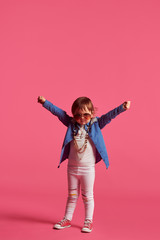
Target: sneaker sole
86	230
59	227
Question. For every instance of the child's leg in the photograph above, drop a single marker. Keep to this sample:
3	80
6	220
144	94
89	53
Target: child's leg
73	194
87	186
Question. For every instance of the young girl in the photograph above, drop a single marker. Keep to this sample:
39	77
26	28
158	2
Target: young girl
83	146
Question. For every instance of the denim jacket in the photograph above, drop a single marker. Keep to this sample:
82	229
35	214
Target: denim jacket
94	130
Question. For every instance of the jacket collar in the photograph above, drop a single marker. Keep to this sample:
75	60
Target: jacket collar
86	126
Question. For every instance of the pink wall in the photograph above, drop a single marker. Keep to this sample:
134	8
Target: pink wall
106	50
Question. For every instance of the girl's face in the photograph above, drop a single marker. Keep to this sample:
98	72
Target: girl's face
83	116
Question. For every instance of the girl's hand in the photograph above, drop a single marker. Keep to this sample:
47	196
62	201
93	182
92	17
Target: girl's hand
41	99
126	105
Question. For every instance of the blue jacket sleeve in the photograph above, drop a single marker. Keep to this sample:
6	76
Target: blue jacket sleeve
62	115
106	118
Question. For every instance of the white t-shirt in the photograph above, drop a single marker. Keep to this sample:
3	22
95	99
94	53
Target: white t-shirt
82	159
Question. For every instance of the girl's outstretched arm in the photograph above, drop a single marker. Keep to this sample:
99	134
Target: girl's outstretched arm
106	118
62	115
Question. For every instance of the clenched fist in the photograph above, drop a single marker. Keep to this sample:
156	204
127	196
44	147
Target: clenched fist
126	105
41	99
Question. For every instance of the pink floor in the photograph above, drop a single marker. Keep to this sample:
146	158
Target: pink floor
31	215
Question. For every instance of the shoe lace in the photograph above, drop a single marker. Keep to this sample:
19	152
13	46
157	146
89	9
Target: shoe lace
63	221
87	223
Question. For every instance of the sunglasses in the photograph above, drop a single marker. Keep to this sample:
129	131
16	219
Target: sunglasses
87	116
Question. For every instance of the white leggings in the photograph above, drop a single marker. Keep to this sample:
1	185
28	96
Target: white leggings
85	177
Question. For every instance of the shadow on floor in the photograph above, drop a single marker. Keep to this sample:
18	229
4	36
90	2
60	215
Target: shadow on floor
7	216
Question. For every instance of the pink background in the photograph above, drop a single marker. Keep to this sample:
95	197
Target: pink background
108	51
